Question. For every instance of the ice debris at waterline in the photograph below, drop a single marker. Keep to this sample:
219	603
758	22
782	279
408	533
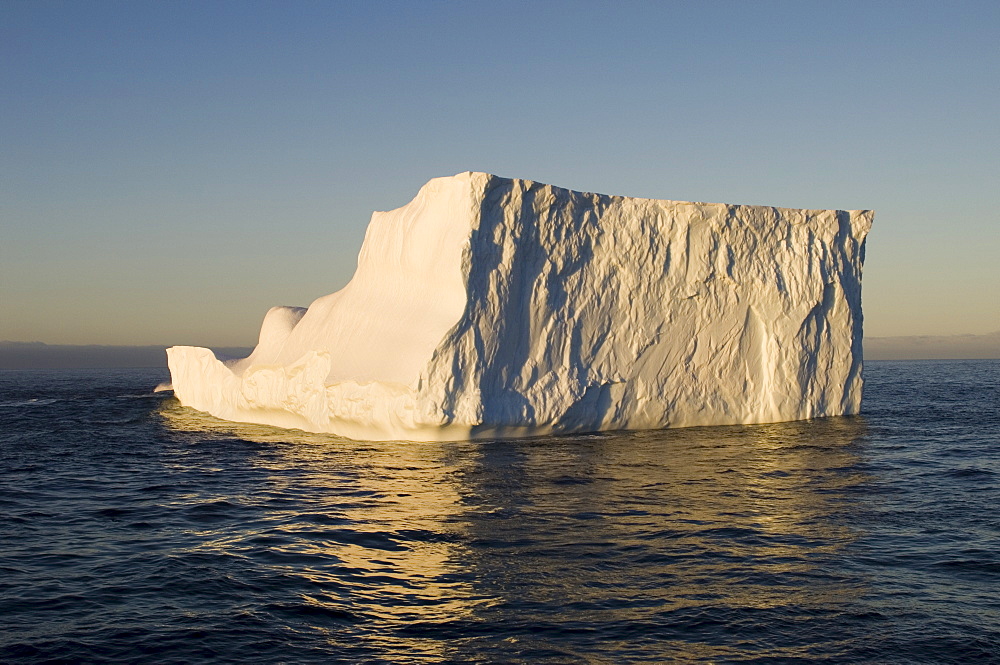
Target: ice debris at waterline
489	306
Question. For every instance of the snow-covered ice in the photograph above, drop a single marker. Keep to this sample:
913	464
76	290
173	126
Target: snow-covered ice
492	306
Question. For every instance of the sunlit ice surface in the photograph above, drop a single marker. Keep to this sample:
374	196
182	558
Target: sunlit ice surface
492	306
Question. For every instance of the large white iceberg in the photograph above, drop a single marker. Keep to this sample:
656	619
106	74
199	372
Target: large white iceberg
494	307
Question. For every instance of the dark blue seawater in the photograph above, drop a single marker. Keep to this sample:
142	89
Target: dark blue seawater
134	530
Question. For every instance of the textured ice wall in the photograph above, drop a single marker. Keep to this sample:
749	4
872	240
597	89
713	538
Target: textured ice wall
494	306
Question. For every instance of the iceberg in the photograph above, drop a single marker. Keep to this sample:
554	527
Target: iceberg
491	306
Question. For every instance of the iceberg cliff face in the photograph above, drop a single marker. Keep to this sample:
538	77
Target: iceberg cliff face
489	306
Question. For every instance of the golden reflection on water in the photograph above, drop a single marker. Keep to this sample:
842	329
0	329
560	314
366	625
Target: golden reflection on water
388	506
649	529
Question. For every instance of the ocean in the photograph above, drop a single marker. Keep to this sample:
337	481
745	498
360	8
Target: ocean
133	530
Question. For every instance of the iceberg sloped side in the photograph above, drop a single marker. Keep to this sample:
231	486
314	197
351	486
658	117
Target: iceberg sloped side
492	306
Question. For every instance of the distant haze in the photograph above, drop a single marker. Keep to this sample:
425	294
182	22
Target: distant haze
20	355
933	347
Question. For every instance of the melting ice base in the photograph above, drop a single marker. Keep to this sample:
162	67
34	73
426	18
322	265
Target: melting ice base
491	306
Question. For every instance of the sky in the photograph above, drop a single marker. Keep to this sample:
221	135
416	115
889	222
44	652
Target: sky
170	170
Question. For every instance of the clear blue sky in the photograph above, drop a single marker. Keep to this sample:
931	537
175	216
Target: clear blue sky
170	170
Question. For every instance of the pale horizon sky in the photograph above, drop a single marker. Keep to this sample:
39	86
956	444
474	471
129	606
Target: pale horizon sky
169	171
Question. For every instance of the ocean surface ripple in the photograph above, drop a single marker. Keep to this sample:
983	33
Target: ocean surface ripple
136	530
